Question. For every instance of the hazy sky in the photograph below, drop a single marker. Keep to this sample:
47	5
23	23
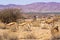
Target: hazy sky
23	2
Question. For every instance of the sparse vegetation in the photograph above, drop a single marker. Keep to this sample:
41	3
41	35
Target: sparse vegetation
10	36
30	36
12	21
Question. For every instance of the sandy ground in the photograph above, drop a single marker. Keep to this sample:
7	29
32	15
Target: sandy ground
26	31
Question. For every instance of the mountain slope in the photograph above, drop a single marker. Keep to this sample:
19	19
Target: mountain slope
36	7
43	7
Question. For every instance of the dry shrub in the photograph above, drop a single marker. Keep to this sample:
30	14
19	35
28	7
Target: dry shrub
2	25
30	36
10	15
10	36
1	37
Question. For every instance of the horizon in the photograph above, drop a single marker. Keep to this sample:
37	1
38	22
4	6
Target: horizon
25	2
30	3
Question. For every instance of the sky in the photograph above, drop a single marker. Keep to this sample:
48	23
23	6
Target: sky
24	2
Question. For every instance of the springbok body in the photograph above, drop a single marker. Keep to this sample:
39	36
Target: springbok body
55	33
12	25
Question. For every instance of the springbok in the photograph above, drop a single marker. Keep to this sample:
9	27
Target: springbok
12	26
55	33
